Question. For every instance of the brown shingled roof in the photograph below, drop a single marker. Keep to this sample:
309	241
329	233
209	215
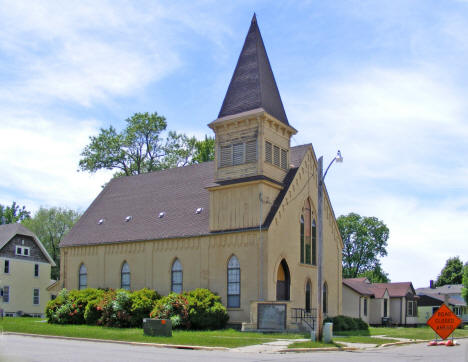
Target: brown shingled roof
253	84
177	192
362	286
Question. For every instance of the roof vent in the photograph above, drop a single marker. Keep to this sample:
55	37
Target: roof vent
128	218
161	214
199	210
100	221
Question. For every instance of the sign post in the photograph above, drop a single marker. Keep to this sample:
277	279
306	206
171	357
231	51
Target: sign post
444	321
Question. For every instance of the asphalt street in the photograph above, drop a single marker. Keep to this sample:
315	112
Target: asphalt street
14	348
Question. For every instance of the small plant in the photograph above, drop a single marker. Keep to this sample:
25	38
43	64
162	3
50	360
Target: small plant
173	307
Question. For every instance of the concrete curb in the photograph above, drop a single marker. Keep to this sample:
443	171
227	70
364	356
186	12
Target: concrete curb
158	345
320	349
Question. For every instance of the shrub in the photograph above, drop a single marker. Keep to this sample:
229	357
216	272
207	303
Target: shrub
173	307
142	303
205	310
345	323
67	308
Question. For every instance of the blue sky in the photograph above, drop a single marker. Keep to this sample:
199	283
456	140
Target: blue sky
385	82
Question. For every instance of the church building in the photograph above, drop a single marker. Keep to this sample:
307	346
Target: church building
243	225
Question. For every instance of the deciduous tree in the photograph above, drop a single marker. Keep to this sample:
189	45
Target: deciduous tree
365	240
452	272
139	148
13	213
50	226
465	283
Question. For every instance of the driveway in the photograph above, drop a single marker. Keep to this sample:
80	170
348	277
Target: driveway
16	348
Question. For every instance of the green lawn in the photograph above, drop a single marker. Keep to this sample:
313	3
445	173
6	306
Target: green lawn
222	338
413	333
310	344
423	332
363	339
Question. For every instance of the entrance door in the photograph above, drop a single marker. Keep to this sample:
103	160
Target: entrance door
283	281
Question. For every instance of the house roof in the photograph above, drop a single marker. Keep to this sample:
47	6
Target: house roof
177	192
359	285
445	289
8	231
364	287
452	300
400	289
253	84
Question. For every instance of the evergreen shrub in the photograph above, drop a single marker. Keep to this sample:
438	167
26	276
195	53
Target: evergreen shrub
345	323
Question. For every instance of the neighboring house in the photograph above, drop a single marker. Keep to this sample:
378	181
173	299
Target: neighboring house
380	303
243	225
25	272
432	298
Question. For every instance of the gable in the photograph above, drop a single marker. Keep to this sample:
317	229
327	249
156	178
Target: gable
23	241
17	233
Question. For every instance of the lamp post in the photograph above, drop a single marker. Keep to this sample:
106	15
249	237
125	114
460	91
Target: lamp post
321	177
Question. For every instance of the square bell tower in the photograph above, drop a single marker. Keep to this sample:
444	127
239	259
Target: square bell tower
252	136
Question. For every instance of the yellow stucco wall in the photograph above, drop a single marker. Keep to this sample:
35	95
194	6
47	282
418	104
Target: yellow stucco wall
284	242
204	262
22	282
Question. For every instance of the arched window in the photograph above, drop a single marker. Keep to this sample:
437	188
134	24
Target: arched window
233	283
82	277
176	277
325	298
302	238
314	243
306	235
308	295
125	277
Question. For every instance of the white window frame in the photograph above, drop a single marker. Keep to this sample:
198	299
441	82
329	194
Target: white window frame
22	249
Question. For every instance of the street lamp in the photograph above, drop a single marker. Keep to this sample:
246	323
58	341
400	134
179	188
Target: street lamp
321	177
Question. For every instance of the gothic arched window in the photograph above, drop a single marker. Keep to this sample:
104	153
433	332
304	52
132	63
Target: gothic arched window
125	277
176	277
233	283
302	238
82	277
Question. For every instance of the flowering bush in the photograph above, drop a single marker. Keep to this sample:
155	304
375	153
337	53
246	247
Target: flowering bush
198	309
173	307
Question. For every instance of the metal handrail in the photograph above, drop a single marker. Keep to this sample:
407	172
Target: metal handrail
303	315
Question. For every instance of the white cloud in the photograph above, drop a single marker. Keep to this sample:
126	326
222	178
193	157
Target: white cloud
40	162
403	136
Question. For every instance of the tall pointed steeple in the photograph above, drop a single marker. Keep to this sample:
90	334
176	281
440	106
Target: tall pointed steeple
253	83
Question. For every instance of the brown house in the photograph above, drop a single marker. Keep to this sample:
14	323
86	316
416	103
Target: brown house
243	225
